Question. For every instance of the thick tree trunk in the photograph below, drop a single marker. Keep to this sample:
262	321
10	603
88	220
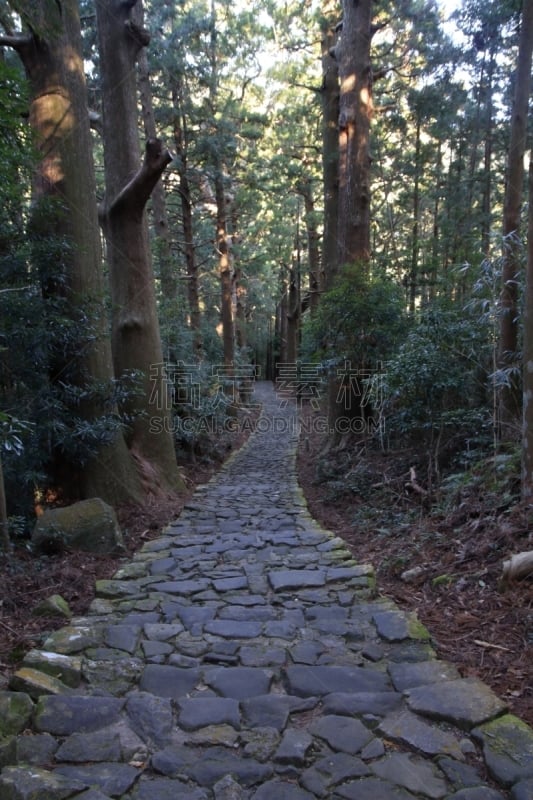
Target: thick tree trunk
5	543
59	116
136	339
508	343
330	142
355	112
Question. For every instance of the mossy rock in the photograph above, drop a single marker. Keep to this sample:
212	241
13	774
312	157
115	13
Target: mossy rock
90	525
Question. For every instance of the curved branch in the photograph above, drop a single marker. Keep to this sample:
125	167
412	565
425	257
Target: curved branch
136	193
17	42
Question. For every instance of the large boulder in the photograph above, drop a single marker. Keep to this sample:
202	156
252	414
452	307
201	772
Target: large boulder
90	525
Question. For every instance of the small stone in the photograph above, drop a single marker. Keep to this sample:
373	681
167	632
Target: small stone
16	709
408	675
65	668
167	681
294	747
151	717
343	734
97	746
36	683
198	712
409	729
62	715
19	783
523	790
281	791
53	606
112	779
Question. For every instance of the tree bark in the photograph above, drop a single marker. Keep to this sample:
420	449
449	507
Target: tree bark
136	339
181	145
225	271
527	374
508	341
59	116
169	283
330	143
355	112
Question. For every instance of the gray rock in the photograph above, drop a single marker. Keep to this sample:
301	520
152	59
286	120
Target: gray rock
343	734
112	779
413	773
239	682
465	703
523	790
21	783
198	712
333	770
16	709
167	681
408	675
218	762
281	791
90	525
321	680
37	749
151	717
97	746
76	714
378	703
407	728
294	747
508	748
167	789
67	669
231	629
478	793
228	789
372	789
288	579
123	637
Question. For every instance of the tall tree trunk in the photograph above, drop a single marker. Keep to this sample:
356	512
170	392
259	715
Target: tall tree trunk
415	246
5	543
355	112
181	145
509	407
136	339
59	115
313	237
486	203
169	283
527	377
225	271
330	142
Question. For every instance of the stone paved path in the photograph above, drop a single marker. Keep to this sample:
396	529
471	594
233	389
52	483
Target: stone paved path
245	656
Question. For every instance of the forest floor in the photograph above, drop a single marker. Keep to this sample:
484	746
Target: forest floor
452	553
440	557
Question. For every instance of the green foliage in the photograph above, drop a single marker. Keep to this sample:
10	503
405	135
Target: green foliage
360	320
436	384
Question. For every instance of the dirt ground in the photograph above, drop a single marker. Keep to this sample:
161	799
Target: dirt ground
456	556
444	564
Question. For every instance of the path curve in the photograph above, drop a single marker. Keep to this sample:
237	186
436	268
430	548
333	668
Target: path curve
244	655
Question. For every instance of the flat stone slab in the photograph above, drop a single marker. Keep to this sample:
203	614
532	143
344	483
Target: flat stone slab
407	728
372	789
308	681
199	712
287	579
112	779
412	773
466	703
343	734
65	715
239	682
405	675
166	681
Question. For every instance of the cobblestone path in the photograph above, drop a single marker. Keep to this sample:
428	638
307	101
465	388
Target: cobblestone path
243	655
